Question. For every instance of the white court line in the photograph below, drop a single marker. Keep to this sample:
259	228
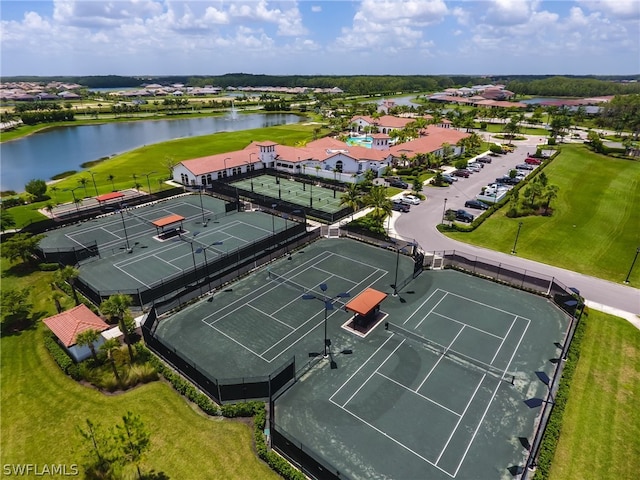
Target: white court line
423	303
464	412
503	340
419	394
430	311
135	278
333	275
360	368
512	314
235	341
385	434
441	356
374	372
270	316
490	402
469	325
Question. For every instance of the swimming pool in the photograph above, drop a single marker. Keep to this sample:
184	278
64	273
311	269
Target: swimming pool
360	141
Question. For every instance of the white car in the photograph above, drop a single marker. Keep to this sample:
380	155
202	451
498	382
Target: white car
410	199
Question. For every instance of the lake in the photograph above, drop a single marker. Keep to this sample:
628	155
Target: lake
46	154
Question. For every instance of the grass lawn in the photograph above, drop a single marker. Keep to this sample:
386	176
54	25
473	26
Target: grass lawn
594	226
600	436
41	408
152	158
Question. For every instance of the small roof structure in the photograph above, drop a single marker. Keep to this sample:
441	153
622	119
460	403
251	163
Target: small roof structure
164	221
366	301
67	325
109	196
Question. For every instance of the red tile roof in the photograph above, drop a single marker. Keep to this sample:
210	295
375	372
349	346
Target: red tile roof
164	221
215	163
432	141
67	325
366	301
109	196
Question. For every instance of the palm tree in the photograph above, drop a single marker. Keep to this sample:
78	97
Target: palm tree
88	338
83	181
382	206
351	198
116	307
109	347
550	193
56	296
111	178
69	274
54	189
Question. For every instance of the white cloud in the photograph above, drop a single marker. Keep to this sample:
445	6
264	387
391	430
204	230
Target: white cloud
289	20
621	9
316	8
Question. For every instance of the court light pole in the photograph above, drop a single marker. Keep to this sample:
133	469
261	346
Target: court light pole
94	181
148	182
328	305
204	223
626	280
75	199
444	210
248	166
206	261
124	227
513	251
225	166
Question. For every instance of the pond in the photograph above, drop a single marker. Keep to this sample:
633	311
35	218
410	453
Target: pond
46	154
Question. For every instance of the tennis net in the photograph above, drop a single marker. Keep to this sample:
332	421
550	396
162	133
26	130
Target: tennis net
142	219
456	357
301	288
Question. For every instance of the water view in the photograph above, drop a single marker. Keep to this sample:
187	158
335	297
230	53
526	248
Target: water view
49	153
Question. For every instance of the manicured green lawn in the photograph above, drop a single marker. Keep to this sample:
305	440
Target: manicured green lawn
41	409
594	228
600	436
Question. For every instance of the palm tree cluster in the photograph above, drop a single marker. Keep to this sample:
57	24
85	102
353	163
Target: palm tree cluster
364	195
537	198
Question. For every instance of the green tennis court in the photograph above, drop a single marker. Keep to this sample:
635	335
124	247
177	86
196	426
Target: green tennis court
133	256
303	194
438	393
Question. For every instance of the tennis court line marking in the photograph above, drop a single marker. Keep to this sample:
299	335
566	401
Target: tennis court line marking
485	305
422	304
502	342
418	394
383	433
235	341
333	275
447	348
270	316
432	309
464	412
467	325
484	414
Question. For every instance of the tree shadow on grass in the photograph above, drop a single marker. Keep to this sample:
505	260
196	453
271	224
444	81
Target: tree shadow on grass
14	325
20	270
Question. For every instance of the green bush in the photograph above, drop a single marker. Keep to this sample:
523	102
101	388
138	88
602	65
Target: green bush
64	361
48	267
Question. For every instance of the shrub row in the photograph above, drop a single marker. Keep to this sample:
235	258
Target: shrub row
64	361
48	267
554	425
256	410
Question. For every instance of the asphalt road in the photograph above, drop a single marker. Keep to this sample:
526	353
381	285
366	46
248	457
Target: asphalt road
430	212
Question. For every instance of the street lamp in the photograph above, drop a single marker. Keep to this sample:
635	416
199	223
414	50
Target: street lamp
124	227
632	264
94	181
203	250
225	166
398	250
204	222
444	210
75	199
513	251
148	183
328	305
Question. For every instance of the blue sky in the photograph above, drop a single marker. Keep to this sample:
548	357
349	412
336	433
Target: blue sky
397	37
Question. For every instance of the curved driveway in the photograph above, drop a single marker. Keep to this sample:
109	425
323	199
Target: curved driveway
617	299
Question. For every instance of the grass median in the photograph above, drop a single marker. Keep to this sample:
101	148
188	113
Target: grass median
594	226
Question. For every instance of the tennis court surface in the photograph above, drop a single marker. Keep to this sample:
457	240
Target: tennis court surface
435	390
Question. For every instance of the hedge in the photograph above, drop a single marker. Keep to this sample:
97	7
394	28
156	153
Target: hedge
257	410
64	361
554	425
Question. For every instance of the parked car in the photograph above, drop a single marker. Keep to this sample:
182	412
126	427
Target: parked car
449	178
477	204
477	164
507	180
484	159
473	168
400	206
394	182
524	166
461	215
461	173
410	199
533	161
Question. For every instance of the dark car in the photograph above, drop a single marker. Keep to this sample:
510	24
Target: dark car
400	206
448	178
461	215
477	204
394	182
461	173
508	180
484	159
524	166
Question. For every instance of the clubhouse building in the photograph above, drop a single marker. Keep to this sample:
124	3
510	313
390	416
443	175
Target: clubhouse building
325	158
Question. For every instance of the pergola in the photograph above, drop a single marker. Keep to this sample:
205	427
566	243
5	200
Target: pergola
168	221
366	307
102	199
